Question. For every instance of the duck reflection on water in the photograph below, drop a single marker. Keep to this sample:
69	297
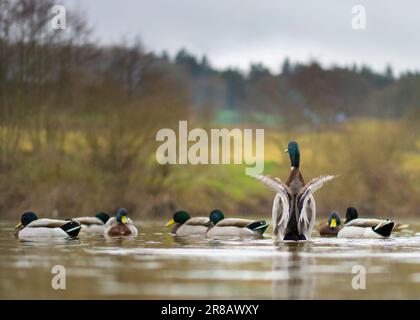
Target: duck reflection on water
298	283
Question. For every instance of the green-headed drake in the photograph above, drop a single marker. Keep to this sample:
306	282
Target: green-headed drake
31	227
294	209
184	225
356	227
331	228
95	224
234	227
120	225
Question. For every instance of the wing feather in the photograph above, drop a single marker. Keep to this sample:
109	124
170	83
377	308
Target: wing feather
89	220
47	223
281	203
364	223
307	223
198	221
280	214
234	222
306	204
273	183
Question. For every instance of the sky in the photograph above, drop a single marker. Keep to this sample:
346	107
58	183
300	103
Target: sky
234	33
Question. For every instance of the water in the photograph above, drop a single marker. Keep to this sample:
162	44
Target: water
156	265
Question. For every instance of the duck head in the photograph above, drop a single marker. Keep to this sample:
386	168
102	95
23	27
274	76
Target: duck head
179	217
216	215
26	219
103	216
334	220
122	216
294	154
351	214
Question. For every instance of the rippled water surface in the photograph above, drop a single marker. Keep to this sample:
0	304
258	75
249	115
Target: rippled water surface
156	265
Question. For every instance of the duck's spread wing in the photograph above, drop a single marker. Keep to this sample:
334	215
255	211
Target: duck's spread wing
306	205
281	203
198	221
273	183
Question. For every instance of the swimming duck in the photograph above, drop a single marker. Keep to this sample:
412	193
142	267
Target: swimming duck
234	227
120	225
93	225
352	214
331	228
184	225
365	228
31	227
294	208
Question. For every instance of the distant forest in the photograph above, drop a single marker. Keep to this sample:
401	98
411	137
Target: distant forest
31	54
305	92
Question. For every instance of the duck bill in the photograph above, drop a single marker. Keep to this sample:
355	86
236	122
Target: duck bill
170	223
286	151
333	223
18	226
124	219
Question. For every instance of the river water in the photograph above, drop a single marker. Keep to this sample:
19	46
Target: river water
156	265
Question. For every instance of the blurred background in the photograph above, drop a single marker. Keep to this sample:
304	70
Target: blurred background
80	107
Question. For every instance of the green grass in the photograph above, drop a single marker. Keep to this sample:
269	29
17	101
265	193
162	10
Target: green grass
377	172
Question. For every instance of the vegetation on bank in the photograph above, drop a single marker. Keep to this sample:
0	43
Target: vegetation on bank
378	163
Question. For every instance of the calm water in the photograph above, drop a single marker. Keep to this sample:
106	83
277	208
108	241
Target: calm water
155	266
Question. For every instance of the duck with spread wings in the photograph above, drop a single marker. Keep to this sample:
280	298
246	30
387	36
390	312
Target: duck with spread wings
294	208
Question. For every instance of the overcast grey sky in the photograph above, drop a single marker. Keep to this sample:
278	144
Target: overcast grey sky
237	32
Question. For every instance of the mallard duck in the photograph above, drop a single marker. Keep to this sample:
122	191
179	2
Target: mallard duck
120	225
234	227
93	225
331	228
184	225
365	228
30	227
294	208
352	214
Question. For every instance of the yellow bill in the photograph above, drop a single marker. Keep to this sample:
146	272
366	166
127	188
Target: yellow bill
18	226
170	222
333	223
124	219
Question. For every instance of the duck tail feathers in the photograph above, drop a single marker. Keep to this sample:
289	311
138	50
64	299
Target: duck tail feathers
258	226
72	228
385	228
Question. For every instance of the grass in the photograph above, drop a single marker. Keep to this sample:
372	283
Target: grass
378	174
